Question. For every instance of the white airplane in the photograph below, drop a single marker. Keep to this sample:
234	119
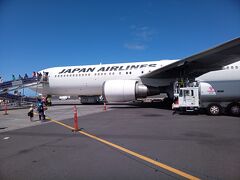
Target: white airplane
128	81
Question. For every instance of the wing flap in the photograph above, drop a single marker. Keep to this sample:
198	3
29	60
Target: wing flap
212	59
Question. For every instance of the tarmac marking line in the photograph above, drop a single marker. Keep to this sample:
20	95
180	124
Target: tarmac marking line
147	159
65	125
62	124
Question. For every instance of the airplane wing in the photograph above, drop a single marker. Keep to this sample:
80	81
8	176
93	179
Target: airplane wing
201	63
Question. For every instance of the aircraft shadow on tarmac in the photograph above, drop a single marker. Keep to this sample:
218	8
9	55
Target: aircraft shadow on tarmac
156	105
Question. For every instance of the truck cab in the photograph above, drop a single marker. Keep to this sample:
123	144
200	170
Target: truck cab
186	99
214	97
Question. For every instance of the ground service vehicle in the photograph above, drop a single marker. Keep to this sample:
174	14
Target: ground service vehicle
216	98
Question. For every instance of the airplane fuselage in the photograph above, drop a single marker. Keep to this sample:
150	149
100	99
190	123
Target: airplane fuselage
88	80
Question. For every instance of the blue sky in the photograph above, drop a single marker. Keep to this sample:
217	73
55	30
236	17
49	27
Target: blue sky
37	34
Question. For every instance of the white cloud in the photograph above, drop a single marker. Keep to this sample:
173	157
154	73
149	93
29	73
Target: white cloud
134	46
143	33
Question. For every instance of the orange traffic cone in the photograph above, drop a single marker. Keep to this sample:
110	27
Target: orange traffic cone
5	109
75	119
104	107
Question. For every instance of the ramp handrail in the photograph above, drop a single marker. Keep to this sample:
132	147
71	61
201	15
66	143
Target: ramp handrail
21	83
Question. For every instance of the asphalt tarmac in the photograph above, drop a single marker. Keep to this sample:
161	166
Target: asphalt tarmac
205	147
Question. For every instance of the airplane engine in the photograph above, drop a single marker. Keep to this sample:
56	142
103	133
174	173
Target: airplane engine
124	90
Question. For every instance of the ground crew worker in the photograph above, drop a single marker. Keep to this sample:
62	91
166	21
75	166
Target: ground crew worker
30	112
181	83
40	110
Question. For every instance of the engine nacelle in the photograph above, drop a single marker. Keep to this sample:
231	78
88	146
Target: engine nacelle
123	90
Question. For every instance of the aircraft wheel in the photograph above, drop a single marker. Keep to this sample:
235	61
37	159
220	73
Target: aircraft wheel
234	109
214	109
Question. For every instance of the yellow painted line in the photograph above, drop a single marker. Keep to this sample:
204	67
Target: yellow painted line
147	159
62	124
65	125
176	171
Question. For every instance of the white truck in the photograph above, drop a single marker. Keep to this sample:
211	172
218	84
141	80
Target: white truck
216	98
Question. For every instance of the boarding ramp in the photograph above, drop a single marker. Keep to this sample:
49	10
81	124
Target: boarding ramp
17	100
8	86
